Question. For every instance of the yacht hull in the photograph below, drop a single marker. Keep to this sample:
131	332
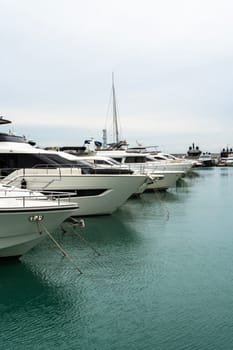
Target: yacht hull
95	194
169	180
18	234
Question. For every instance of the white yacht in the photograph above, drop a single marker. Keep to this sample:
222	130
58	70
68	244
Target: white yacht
96	192
226	157
173	163
144	164
107	165
25	216
206	160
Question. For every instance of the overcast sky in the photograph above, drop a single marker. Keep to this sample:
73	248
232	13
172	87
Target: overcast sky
172	61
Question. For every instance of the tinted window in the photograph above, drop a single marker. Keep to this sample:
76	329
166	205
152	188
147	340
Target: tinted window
23	160
135	160
118	160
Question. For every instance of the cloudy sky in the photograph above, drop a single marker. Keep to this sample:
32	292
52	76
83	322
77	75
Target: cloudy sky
172	61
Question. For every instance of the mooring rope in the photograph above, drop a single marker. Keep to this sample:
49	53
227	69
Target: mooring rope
82	239
62	250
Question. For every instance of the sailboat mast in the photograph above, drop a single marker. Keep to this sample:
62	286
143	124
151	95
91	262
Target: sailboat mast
115	121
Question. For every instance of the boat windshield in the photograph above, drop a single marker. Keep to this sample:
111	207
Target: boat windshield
150	159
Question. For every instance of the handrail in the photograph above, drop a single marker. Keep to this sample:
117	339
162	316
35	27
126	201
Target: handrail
54	197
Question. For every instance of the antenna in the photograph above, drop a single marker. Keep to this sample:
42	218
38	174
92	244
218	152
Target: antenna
115	121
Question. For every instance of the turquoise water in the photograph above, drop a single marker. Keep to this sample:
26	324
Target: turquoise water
163	279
